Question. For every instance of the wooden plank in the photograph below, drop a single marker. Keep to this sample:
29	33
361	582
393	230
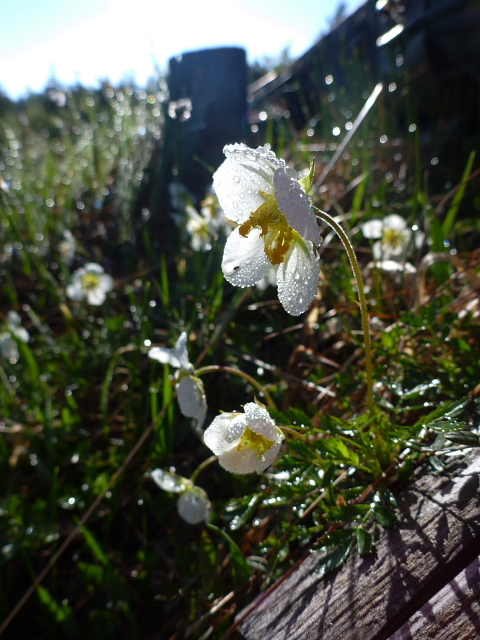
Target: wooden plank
454	612
370	598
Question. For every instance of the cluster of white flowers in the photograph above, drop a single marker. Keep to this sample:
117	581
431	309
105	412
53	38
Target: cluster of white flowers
190	391
277	225
193	504
204	227
8	338
91	283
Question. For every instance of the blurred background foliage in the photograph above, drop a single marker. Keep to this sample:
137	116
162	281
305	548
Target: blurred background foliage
81	391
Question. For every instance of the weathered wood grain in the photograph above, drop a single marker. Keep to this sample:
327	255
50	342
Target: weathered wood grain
370	598
453	613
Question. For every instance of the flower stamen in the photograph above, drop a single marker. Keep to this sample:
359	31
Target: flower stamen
255	441
393	237
90	281
276	231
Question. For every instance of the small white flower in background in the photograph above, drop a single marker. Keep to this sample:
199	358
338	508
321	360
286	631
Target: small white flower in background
200	230
213	212
193	504
90	282
190	391
398	271
244	442
393	235
277	224
67	246
8	345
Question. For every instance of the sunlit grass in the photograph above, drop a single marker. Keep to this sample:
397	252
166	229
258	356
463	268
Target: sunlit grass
83	391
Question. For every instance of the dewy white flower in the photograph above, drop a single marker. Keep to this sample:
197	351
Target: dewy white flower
244	442
277	225
8	345
90	282
193	504
393	236
190	391
200	230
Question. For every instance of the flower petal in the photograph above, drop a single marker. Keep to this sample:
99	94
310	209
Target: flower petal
170	481
394	221
92	267
181	352
191	397
14	319
259	420
394	267
9	348
20	333
269	457
176	357
216	435
239	179
372	229
96	297
295	206
74	290
244	260
297	278
244	461
193	506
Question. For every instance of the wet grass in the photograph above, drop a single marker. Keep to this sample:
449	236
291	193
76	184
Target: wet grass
86	415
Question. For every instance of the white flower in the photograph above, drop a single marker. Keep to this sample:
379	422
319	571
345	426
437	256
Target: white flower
211	211
67	246
244	442
394	234
8	344
90	282
190	391
193	504
277	225
200	230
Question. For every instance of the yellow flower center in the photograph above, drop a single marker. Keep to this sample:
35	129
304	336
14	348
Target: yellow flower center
255	441
393	237
90	281
276	231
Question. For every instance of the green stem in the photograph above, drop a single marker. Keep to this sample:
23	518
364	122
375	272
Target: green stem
361	296
293	433
206	463
237	372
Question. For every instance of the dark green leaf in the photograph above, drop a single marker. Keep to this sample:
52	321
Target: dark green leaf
241	570
464	437
444	426
334	559
364	541
302	450
298	417
385	516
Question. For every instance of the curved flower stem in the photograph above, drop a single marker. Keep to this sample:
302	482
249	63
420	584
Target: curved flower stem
361	296
293	433
206	463
237	372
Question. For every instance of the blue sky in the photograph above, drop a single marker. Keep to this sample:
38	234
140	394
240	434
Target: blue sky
93	39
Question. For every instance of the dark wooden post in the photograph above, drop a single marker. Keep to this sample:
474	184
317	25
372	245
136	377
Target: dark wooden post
205	112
